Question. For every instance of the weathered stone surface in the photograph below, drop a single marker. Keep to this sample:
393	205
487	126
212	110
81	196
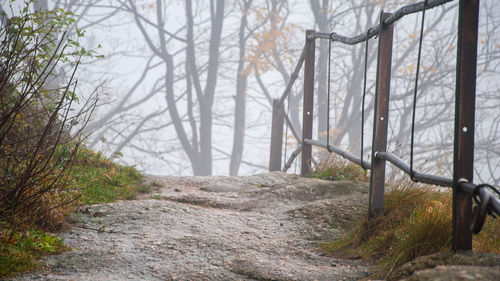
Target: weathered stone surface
457	273
262	227
450	266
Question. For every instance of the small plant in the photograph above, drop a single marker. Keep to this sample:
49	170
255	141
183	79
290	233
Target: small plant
18	252
335	169
157	183
142	188
416	221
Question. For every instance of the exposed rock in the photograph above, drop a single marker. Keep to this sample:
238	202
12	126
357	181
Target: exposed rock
262	227
457	273
450	266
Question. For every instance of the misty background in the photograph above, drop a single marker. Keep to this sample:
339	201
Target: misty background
186	87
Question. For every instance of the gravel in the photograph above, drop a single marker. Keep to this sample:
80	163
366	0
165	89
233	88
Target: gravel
262	227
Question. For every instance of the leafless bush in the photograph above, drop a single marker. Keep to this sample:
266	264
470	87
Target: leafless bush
40	132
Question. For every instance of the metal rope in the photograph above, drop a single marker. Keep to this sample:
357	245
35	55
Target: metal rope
476	194
328	94
294	154
412	173
485	204
397	15
364	96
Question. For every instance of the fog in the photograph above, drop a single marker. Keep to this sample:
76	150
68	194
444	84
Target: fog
185	87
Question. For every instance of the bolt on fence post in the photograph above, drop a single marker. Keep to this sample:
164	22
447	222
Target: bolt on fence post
381	117
276	136
307	111
465	92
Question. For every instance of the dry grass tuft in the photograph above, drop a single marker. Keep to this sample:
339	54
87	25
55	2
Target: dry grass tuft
334	168
416	222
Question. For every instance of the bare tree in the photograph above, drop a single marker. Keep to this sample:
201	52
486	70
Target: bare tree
275	50
323	14
197	64
241	92
197	146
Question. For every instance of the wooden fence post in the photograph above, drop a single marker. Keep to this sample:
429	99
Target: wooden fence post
381	117
465	92
307	112
276	136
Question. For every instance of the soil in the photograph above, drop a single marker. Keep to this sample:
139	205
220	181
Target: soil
262	227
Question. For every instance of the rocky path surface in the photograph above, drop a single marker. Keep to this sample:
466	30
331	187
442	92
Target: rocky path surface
263	227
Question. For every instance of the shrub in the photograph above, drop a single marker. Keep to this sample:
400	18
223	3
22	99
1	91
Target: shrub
91	179
39	135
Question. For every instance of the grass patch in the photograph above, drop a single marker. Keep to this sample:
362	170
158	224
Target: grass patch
20	252
334	169
415	222
99	180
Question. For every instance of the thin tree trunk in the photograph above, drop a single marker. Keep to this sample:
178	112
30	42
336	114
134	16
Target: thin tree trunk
203	166
321	19
240	98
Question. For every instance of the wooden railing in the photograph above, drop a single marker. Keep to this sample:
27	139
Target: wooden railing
465	221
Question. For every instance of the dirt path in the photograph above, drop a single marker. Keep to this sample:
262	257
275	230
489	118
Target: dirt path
263	227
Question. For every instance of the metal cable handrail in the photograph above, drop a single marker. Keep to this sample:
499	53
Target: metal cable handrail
294	76
417	176
401	12
294	154
334	149
292	128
